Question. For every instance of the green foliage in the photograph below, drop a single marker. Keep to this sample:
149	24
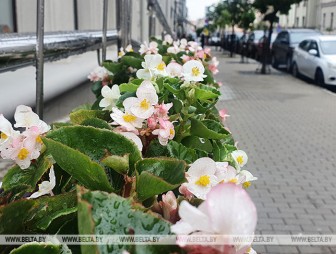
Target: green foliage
29	177
158	175
38	248
108	214
79	116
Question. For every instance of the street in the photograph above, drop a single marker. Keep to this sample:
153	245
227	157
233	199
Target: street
287	128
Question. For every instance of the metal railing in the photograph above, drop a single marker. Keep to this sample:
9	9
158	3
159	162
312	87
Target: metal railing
22	50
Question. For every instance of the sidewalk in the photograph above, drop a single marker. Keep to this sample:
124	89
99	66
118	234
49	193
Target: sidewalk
287	128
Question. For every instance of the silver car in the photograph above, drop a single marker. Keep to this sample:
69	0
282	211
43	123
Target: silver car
315	58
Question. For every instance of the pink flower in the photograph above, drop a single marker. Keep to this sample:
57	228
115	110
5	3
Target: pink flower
185	192
165	133
186	58
152	122
223	114
200	54
228	210
162	110
151	48
100	74
169	206
220	84
207	51
213	69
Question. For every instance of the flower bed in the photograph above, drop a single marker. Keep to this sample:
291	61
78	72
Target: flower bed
150	157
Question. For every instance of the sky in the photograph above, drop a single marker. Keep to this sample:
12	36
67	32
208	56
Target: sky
196	8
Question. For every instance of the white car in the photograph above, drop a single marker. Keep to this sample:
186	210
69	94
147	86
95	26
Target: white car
315	58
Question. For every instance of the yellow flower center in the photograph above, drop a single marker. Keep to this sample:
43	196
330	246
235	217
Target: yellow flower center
129	118
204	56
240	159
23	154
203	180
120	54
172	132
3	135
131	50
233	180
246	185
161	66
39	140
144	104
195	71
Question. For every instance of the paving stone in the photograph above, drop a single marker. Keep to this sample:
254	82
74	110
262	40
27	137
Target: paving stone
287	128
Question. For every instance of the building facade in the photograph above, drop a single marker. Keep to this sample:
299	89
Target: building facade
315	14
69	15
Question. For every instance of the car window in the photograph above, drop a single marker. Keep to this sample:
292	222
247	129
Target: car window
328	47
304	45
298	37
280	36
313	45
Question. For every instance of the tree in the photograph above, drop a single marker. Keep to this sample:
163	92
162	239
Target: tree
270	9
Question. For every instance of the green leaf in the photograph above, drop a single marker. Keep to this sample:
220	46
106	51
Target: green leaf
204	92
132	61
158	175
209	129
113	67
38	248
97	123
80	166
79	116
16	176
57	125
96	88
155	149
110	214
128	87
222	151
97	143
179	151
118	163
34	215
172	87
201	144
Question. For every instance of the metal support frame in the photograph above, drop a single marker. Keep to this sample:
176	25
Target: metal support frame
124	22
155	7
39	58
105	13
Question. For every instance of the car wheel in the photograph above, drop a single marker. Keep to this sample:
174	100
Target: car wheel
289	64
274	62
295	70
319	77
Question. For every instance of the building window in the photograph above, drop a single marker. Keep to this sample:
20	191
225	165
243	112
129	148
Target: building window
303	21
297	22
323	21
332	21
7	22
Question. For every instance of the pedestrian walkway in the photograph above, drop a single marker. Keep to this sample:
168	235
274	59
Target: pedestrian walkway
287	128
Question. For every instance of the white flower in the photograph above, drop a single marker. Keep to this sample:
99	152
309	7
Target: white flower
174	69
167	39
46	187
240	157
132	136
226	173
245	178
142	106
174	49
111	96
193	70
227	210
201	177
183	44
127	120
26	118
127	49
153	65
6	133
152	48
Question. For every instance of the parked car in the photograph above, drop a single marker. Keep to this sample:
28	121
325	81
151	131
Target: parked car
232	37
214	40
260	46
241	44
285	43
315	58
252	42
